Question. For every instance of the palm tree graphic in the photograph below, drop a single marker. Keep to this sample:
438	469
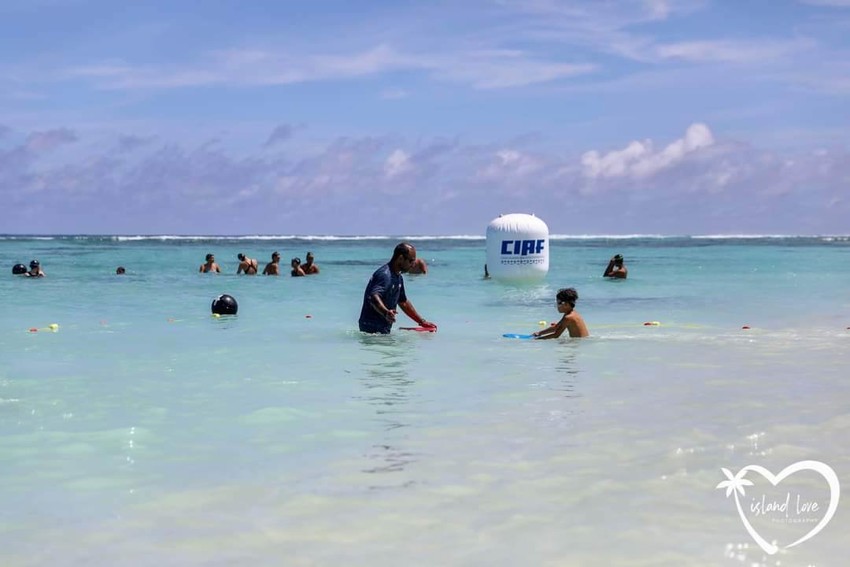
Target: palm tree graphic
735	484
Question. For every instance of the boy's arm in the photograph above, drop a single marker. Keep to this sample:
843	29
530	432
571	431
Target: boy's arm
552	332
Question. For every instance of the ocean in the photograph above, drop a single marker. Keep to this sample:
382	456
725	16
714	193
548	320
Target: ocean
140	430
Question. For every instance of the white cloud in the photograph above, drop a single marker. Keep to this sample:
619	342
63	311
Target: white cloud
394	94
729	51
483	69
509	165
828	3
398	163
50	139
505	68
640	160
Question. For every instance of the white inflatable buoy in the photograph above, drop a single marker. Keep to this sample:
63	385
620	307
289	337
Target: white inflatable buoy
517	248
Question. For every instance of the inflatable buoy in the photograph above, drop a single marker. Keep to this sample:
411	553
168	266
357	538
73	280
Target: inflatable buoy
517	248
19	269
224	305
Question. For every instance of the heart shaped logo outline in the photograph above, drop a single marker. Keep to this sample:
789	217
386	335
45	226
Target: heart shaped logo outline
735	484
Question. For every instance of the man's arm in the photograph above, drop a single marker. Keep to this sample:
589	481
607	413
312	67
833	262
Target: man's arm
411	312
378	305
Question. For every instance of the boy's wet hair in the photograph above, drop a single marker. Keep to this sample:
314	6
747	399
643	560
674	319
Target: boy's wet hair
568	295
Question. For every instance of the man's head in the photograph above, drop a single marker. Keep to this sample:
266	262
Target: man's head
241	256
275	256
618	260
309	257
404	256
567	296
120	270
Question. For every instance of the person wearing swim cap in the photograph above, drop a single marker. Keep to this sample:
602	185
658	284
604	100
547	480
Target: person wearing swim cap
210	265
573	322
385	292
273	267
248	266
120	271
309	266
35	270
616	269
297	270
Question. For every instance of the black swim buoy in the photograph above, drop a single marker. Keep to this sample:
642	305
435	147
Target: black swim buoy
224	305
19	269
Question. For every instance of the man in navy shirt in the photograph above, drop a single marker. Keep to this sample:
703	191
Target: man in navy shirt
385	291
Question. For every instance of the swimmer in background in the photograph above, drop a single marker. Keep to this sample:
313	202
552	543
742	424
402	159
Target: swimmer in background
35	270
418	267
616	269
119	271
247	265
571	320
309	267
210	265
273	267
297	271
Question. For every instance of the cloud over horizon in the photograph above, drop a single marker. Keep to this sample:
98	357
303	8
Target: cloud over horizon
390	183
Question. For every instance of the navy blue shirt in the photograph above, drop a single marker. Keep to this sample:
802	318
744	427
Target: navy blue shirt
390	287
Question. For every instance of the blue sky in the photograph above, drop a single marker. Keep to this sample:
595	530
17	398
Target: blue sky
372	117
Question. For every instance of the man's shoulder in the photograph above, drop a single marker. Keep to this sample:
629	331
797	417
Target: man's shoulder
383	270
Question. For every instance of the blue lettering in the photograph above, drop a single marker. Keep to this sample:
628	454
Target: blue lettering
522	247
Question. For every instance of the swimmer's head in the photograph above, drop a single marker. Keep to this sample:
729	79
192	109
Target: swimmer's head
120	270
34	264
210	257
275	255
241	256
567	295
309	256
296	262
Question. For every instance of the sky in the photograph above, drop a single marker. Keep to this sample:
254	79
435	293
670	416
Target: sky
375	117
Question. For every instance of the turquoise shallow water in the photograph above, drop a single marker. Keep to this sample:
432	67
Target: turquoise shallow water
146	432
